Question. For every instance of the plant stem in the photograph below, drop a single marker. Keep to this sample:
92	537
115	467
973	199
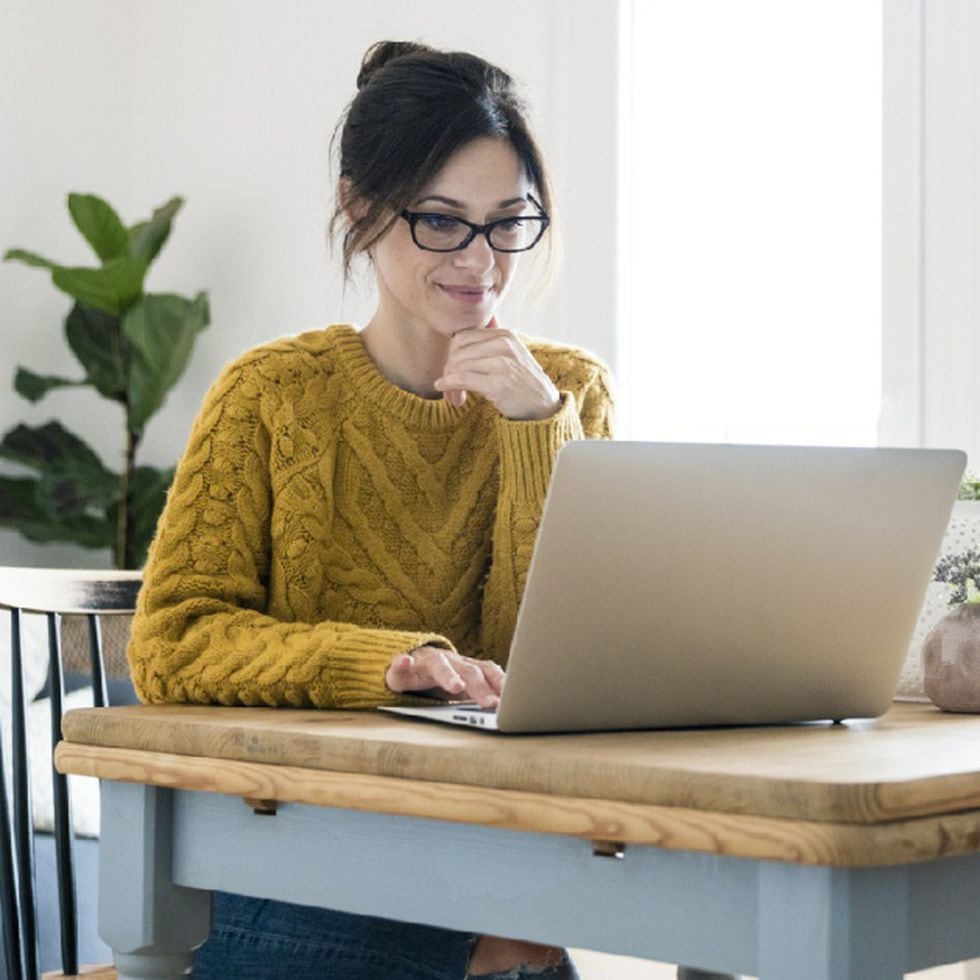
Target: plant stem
124	519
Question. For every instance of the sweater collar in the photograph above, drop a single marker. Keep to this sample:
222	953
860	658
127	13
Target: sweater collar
368	382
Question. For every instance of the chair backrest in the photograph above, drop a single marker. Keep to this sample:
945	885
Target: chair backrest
52	593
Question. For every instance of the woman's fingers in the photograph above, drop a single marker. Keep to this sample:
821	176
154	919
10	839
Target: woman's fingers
432	668
457	396
461	677
497	365
443	674
400	674
477	685
494	675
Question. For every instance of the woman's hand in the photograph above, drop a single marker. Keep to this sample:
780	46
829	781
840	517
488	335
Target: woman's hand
494	363
446	674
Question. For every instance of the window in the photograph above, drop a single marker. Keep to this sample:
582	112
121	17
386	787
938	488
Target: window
754	222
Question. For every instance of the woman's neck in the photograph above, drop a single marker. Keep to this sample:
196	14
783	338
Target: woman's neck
408	355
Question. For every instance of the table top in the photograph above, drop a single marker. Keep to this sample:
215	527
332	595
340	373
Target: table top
912	762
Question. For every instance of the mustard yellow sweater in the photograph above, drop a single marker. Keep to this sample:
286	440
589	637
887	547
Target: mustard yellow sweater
323	520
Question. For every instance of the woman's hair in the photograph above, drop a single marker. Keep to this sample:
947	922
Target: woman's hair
416	106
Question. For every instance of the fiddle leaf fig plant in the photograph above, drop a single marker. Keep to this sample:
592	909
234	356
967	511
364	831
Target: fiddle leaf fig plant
132	346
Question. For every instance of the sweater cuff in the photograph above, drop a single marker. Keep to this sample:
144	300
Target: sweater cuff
355	676
528	449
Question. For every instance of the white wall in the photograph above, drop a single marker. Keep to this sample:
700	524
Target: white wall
64	126
931	299
231	104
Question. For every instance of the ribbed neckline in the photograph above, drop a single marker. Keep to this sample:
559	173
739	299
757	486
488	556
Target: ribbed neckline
368	382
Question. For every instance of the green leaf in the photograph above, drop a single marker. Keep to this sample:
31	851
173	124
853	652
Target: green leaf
28	258
60	457
21	511
96	339
162	330
73	493
148	494
147	238
100	225
35	386
969	488
112	289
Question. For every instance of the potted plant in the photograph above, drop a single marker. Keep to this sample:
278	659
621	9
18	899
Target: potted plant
951	653
132	346
969	488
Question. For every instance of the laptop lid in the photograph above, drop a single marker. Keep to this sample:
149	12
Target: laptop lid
688	584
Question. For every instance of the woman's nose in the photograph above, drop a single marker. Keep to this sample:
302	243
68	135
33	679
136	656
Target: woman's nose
478	255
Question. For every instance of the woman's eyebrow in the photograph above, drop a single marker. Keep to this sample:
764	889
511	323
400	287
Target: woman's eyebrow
462	207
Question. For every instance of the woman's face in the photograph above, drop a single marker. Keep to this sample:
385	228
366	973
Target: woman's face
450	291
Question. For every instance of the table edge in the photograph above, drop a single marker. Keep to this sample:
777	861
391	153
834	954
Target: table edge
265	786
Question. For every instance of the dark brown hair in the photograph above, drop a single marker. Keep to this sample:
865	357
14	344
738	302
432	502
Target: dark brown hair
414	108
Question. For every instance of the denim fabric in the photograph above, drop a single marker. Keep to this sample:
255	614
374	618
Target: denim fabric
565	970
260	939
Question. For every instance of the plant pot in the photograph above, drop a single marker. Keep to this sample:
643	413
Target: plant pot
951	660
962	534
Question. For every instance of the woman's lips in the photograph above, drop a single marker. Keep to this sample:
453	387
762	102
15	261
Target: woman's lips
474	295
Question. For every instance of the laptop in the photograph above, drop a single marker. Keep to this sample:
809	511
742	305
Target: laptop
681	585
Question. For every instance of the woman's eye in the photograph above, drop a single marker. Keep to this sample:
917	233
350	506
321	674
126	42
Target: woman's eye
510	226
438	223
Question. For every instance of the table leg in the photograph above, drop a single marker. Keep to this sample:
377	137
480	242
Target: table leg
152	925
832	923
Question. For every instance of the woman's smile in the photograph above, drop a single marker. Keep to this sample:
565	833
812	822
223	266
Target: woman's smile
470	295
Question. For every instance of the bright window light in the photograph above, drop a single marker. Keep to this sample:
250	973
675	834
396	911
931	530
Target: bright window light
754	212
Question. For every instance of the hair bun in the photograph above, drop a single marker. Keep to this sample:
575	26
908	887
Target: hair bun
382	52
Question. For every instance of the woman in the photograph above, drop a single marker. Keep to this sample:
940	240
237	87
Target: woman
352	520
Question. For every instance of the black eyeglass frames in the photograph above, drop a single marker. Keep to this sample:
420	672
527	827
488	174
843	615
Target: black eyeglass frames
435	232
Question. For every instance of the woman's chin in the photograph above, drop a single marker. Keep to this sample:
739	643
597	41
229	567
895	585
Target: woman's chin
470	321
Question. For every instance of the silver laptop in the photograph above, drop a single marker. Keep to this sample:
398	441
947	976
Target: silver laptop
677	585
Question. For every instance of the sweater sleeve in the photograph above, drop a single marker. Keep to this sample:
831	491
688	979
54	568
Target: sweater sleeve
527	456
201	632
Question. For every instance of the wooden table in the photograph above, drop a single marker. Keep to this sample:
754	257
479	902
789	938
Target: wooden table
811	852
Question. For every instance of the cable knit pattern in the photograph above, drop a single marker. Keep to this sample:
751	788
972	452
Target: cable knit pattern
323	520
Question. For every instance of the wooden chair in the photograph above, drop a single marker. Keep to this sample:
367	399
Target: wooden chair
52	593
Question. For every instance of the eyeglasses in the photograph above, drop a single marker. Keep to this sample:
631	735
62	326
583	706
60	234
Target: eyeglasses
446	233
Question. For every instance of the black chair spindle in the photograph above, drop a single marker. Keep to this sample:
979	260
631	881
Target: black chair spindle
23	835
64	835
8	885
100	688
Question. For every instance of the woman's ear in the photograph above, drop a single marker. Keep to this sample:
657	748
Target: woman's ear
354	208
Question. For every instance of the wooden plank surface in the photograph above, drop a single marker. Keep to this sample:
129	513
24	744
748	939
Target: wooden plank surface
89	972
601	821
915	761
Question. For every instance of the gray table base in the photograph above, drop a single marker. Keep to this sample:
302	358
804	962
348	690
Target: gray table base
163	851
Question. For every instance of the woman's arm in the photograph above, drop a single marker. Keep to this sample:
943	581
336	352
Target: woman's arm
201	632
527	456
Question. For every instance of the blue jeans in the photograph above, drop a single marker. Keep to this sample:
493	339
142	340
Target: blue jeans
261	939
